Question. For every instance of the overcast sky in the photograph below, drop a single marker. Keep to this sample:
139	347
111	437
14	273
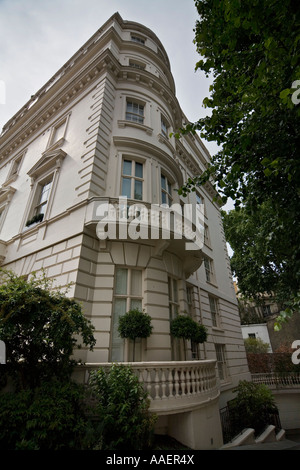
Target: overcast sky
39	36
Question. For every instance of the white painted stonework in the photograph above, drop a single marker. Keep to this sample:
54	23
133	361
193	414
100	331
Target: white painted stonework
258	331
98	129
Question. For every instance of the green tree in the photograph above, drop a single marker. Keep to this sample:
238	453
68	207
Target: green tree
185	328
135	324
40	327
251	50
263	257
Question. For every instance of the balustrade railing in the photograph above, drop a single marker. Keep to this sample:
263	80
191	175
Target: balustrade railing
171	385
175	380
278	380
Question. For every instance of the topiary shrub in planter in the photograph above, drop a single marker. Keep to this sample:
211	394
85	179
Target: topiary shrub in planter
199	335
135	324
184	327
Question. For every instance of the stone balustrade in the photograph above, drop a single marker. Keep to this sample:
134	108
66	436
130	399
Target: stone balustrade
278	380
172	386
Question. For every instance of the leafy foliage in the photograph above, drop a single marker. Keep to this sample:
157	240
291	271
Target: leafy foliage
255	345
49	417
186	328
135	324
40	328
265	257
251	51
182	326
122	406
252	406
200	334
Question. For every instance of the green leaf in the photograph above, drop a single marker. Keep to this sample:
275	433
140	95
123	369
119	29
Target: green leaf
284	93
268	172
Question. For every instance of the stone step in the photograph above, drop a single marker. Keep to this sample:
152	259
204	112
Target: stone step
247	438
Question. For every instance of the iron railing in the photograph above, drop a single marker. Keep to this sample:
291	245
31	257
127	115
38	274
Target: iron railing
233	425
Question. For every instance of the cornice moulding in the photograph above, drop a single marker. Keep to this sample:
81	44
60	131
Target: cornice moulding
50	104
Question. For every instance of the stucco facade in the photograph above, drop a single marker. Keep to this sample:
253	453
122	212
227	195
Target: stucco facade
100	129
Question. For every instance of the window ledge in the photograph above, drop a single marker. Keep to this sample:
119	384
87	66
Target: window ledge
55	145
26	228
218	328
10	180
164	140
212	283
124	123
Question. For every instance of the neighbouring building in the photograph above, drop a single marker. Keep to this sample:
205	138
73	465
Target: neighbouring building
97	130
258	320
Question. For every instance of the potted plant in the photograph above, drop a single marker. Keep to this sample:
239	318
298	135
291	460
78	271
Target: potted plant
186	328
135	324
199	335
36	218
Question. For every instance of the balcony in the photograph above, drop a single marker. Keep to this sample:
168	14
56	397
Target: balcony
173	387
164	228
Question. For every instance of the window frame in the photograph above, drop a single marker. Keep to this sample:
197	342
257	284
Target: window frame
207	241
209	270
135	117
173	297
165	191
135	64
164	127
221	361
45	169
137	39
34	216
3	210
132	177
15	166
190	299
201	201
63	121
174	306
6	194
129	297
41	204
215	311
